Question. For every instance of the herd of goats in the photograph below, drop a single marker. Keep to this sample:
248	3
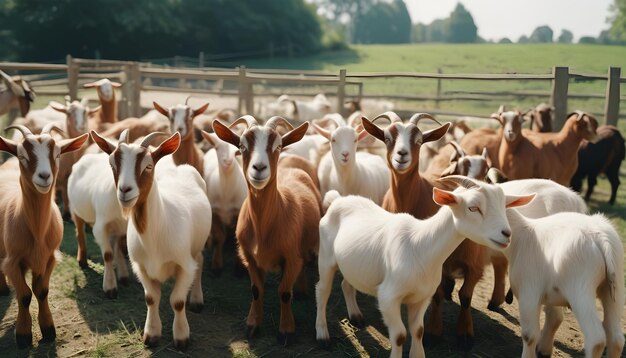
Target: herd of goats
401	211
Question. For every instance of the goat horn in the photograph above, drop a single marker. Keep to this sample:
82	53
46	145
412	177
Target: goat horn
277	121
459	180
20	127
147	139
187	99
418	116
391	116
247	119
52	127
457	147
124	136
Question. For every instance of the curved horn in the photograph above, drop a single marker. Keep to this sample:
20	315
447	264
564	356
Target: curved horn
276	121
247	119
457	147
124	136
419	116
22	128
187	99
147	139
391	116
578	112
459	180
50	127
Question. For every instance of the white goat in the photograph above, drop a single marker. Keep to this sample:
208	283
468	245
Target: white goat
167	230
567	259
303	111
399	258
226	188
348	171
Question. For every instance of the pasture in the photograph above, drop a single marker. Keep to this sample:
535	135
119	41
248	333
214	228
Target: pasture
88	324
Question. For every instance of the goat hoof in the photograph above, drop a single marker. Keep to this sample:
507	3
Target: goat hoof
48	334
430	340
493	306
83	264
252	331
24	340
509	297
5	291
151	341
181	344
196	307
67	217
357	321
465	342
124	281
286	339
111	294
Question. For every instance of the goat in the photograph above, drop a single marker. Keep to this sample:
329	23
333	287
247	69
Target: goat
303	111
368	107
160	244
31	227
567	259
398	258
137	127
181	120
226	189
459	163
277	226
604	156
106	94
16	94
348	171
541	118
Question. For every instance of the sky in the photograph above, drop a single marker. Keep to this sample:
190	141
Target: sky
513	18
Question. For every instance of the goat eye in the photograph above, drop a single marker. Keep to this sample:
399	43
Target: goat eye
475	209
149	167
387	140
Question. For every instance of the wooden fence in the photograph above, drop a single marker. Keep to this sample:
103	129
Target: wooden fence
68	78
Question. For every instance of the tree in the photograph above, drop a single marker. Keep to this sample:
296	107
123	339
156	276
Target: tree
460	26
542	34
384	23
523	39
566	37
438	31
618	20
505	40
419	33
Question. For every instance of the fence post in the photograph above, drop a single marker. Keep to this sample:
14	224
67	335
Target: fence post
611	108
241	88
135	72
341	92
72	77
125	109
438	89
558	99
201	59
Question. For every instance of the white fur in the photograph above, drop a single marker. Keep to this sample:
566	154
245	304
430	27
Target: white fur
307	147
399	258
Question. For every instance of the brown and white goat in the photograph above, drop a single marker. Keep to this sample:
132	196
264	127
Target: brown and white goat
30	223
106	93
541	118
278	223
17	94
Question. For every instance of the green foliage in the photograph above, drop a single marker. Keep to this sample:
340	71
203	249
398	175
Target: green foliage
587	40
542	34
461	27
384	23
523	39
618	20
505	40
566	37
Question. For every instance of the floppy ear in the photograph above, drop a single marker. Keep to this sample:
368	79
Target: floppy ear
373	129
102	142
116	84
435	134
323	132
200	110
58	107
513	201
9	146
224	133
362	133
169	146
295	135
161	110
72	144
443	197
90	85
206	135
94	110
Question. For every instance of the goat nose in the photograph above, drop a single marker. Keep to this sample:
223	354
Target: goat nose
403	152
345	154
506	233
259	167
44	175
125	189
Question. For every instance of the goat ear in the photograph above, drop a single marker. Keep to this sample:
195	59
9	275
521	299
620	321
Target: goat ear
200	110
362	133
435	134
102	142
495	176
450	170
513	201
116	84
161	110
323	132
58	107
9	146
496	116
484	153
169	146
206	135
295	135
443	197
94	110
224	133
373	129
72	144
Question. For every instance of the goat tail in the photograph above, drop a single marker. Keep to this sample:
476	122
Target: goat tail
329	197
613	262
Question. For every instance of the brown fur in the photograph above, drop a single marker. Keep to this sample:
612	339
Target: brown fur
476	140
137	127
294	161
541	119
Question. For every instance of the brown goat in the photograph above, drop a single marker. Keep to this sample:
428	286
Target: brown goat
30	223
278	225
17	94
541	118
108	112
